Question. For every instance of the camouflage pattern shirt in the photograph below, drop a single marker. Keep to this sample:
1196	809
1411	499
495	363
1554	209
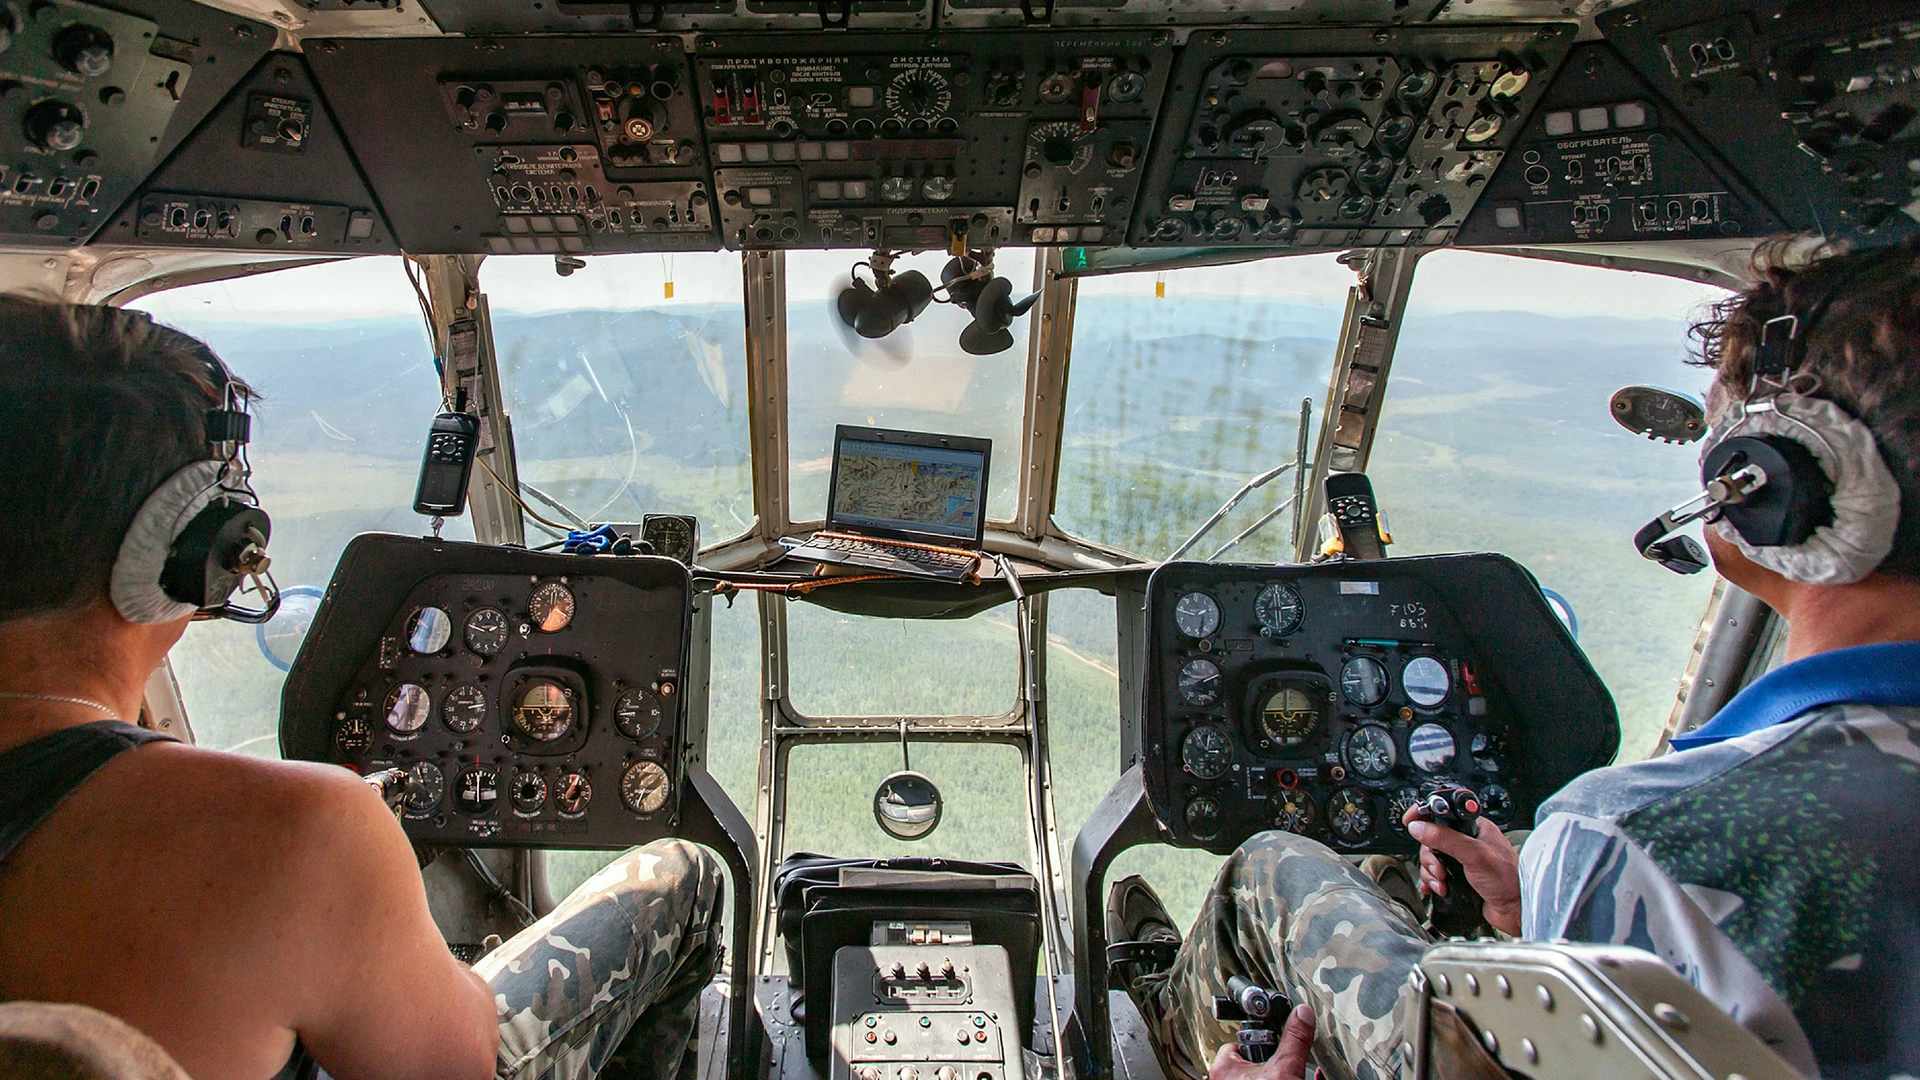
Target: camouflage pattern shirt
1779	871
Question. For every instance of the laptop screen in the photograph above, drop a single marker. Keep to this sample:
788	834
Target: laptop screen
933	490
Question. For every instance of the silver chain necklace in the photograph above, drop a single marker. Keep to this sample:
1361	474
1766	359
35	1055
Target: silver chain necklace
62	699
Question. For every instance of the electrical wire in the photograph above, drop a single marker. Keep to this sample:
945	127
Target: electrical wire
500	892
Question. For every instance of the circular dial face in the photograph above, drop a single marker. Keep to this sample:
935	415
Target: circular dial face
428	630
1061	144
1279	609
464	708
1196	615
1200	683
1364	681
543	710
643	787
1290	715
529	793
1295	812
572	794
476	789
672	537
487	631
1370	751
1496	804
1403	800
1426	682
637	713
1203	816
918	92
1206	752
1431	748
896	189
425	785
1350	815
407	708
352	735
551	607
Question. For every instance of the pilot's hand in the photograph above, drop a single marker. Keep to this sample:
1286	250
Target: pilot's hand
1289	1062
1491	864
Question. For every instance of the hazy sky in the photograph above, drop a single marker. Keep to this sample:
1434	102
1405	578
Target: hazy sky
1448	281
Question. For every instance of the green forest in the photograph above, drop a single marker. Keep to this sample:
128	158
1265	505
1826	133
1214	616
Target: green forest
1495	437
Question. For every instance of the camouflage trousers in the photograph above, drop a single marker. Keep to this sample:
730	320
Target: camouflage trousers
1287	912
619	964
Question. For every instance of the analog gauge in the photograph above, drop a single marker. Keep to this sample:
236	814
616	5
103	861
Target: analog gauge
428	630
1370	752
643	787
487	632
551	607
1290	715
1196	615
425	785
671	535
407	708
1496	804
464	708
573	794
918	92
938	188
1295	812
1364	681
1063	144
1431	748
543	710
1350	815
637	713
353	735
529	793
1426	682
896	189
1279	609
1200	683
476	789
1203	817
1403	800
1206	752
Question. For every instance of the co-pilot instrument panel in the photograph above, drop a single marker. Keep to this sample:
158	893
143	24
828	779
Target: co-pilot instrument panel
1327	700
531	699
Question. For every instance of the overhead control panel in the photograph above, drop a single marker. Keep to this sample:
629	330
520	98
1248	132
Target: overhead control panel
1813	104
89	99
532	700
1318	139
1606	159
285	181
559	145
917	142
1327	700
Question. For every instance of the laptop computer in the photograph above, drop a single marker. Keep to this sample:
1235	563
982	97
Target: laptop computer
903	502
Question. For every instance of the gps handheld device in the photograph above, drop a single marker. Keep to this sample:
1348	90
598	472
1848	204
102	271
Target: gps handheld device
1351	504
446	465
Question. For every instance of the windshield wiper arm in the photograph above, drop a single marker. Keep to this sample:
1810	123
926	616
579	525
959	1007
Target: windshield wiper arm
1253	528
555	504
1227	508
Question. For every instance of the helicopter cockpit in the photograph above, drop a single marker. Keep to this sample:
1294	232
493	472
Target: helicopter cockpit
943	457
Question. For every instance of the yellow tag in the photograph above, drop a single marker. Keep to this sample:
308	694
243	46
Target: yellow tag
1159	290
669	290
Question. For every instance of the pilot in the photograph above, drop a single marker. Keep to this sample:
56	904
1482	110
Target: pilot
225	905
1772	860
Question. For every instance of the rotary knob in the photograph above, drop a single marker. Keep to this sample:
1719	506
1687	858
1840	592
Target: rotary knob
84	50
55	125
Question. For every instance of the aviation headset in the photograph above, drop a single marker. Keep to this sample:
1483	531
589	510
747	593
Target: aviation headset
201	534
1790	478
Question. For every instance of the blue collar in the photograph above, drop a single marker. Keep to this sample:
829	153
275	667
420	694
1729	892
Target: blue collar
1887	675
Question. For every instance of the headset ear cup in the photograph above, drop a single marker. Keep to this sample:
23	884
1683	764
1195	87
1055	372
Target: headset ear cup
1796	500
203	564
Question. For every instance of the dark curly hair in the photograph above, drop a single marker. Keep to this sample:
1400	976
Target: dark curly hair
1863	350
97	407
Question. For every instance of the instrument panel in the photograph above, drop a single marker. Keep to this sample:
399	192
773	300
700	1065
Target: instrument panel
539	704
1327	700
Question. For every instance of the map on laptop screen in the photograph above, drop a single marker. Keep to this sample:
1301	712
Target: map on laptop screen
919	488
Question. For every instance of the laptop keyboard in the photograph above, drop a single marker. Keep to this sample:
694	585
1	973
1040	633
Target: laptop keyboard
919	556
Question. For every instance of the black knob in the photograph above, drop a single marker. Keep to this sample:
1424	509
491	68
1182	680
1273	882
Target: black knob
84	50
1058	150
55	125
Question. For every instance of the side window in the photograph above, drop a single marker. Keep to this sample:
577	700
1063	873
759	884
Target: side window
1186	385
626	382
1495	436
340	358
